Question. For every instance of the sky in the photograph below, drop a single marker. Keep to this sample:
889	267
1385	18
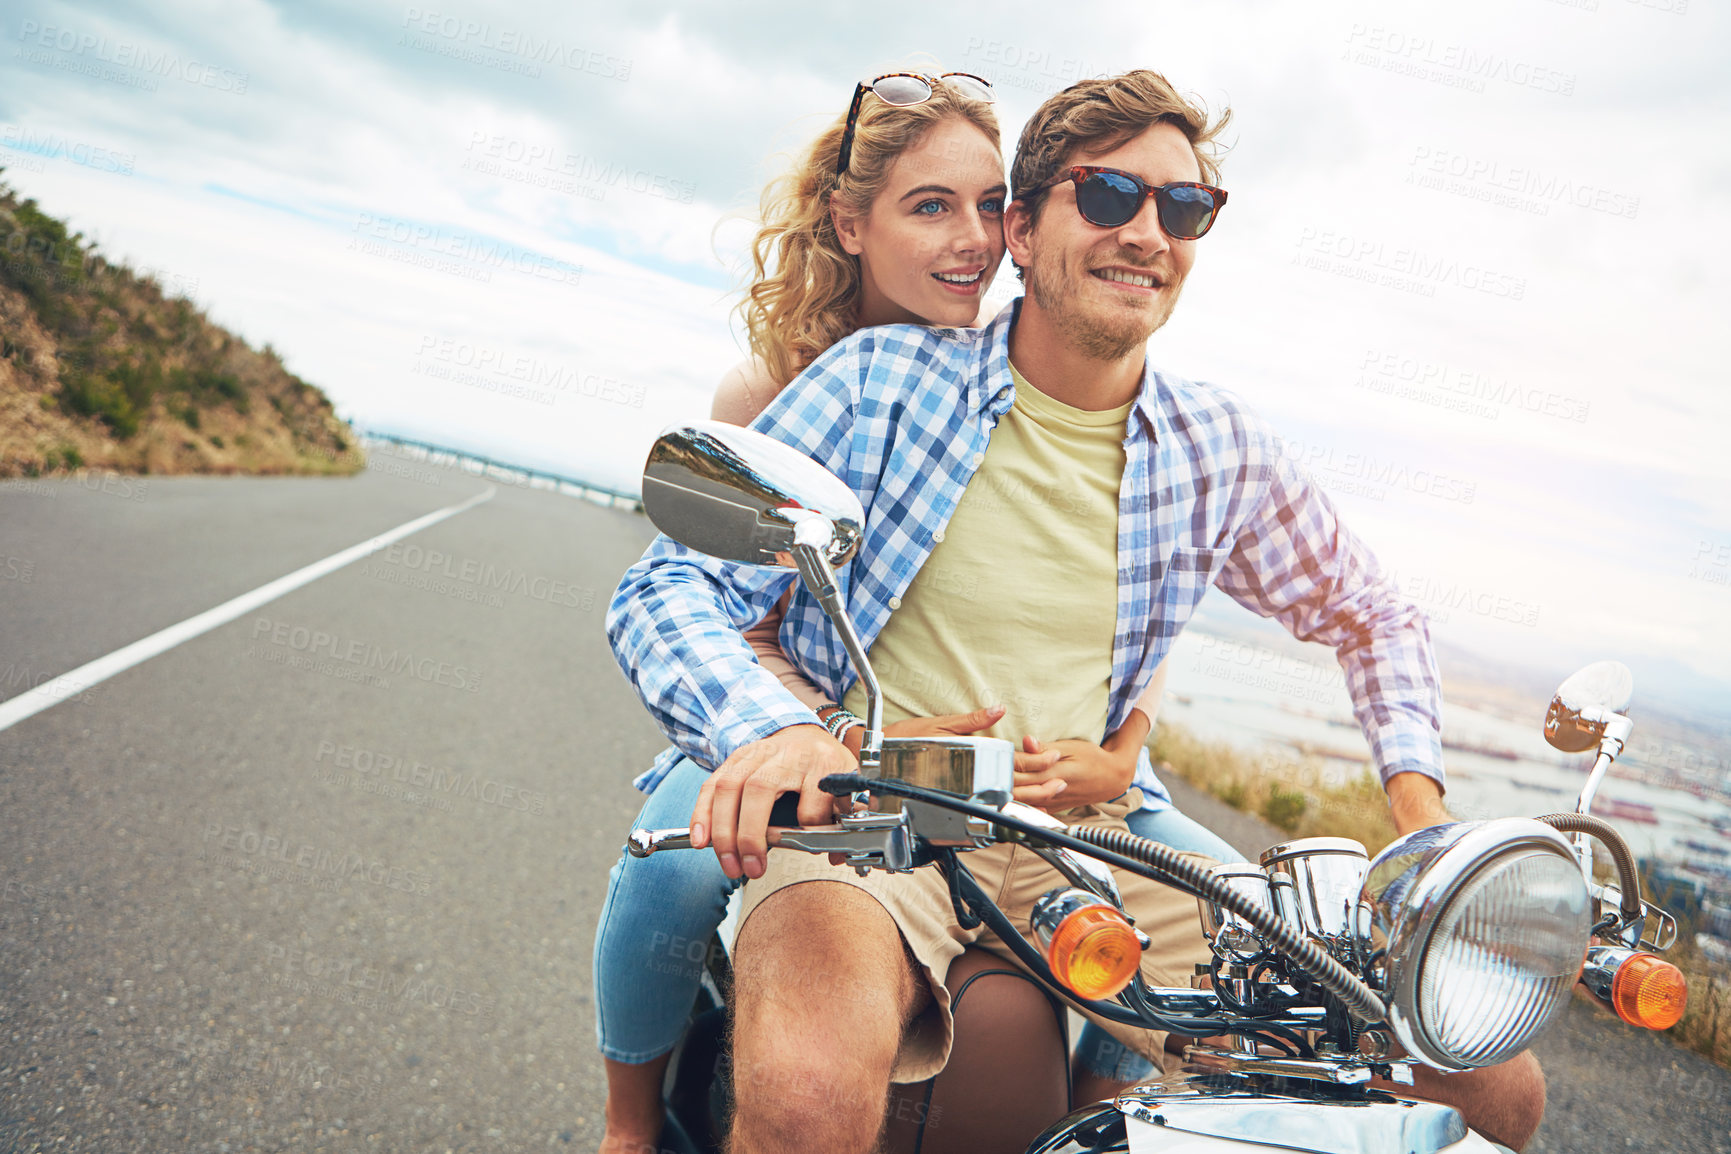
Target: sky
1472	267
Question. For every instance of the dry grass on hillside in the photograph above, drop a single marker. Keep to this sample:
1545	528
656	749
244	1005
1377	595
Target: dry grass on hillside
100	368
1302	796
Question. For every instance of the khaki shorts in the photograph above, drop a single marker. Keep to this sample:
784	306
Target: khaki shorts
919	903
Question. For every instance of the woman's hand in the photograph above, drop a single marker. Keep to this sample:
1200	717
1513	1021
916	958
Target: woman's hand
1088	773
949	725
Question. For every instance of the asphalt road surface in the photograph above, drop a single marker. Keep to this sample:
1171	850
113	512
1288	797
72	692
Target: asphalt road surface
326	877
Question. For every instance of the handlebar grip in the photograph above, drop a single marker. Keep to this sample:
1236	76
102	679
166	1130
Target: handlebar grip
842	784
785	811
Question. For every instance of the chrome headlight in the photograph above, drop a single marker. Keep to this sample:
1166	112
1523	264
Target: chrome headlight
1485	926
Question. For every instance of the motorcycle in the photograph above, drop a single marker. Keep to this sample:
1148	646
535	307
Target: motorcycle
1454	947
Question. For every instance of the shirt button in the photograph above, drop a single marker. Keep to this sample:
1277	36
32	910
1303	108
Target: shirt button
938	535
979	459
895	602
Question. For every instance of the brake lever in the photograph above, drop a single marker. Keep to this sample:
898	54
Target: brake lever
880	841
643	842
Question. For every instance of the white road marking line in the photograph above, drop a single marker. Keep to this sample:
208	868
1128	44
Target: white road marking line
71	684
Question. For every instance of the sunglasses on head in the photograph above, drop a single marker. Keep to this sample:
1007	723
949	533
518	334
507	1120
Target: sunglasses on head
1110	198
904	89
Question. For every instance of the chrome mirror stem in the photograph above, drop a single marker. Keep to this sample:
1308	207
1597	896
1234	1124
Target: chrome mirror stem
1615	731
812	536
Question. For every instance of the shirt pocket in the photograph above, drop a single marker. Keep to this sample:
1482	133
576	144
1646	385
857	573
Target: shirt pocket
1188	574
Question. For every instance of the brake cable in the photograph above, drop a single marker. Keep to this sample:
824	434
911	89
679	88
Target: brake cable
1158	863
1144	1016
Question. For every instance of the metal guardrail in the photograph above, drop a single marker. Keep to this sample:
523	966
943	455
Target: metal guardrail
507	474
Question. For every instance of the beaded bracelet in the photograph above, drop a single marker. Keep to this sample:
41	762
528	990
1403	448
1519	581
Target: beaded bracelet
839	721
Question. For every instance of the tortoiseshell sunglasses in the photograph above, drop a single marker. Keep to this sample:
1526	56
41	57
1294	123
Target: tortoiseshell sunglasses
903	89
1110	198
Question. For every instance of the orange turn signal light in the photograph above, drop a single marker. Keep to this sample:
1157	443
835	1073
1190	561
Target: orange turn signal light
1649	992
1094	952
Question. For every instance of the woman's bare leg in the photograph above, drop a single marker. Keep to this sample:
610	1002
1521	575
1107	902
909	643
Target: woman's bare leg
634	1112
1005	1081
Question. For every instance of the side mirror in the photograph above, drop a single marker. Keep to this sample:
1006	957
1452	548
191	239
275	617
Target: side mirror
1586	703
739	495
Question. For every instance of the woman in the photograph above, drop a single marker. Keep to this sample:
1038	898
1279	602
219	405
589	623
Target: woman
892	215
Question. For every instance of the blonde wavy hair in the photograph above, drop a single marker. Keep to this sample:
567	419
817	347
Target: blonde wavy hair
805	288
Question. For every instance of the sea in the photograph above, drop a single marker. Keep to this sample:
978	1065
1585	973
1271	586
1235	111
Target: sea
1265	701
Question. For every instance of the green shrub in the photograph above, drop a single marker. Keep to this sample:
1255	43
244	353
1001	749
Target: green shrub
1284	808
1297	795
208	384
141	381
102	398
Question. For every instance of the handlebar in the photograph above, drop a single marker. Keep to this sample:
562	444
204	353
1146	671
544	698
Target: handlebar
889	841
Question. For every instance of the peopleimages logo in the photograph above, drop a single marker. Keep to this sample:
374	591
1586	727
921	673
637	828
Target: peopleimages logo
1440	596
498	155
332	974
93	54
1366	258
360	763
526	368
1454	65
361	655
484	574
472	256
1387	372
1363	473
530	49
254	851
1518	186
56	147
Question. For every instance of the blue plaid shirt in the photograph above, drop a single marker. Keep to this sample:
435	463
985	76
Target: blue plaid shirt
903	414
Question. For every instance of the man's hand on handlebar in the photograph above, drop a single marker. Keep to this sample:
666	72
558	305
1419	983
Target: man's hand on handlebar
732	810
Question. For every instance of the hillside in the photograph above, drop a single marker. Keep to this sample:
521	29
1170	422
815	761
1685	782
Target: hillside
100	368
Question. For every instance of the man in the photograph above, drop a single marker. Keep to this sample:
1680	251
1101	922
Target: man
1043	513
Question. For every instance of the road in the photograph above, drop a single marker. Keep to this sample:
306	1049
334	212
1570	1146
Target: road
326	876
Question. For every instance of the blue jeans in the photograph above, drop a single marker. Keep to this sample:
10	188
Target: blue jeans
662	911
657	924
1099	1052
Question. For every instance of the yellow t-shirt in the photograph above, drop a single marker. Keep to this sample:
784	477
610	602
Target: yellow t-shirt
1018	603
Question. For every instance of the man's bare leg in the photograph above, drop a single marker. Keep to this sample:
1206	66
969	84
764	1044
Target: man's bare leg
1505	1103
823	988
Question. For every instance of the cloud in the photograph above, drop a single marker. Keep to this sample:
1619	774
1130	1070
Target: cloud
1477	242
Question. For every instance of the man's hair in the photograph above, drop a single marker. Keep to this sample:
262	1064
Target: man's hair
1096	116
